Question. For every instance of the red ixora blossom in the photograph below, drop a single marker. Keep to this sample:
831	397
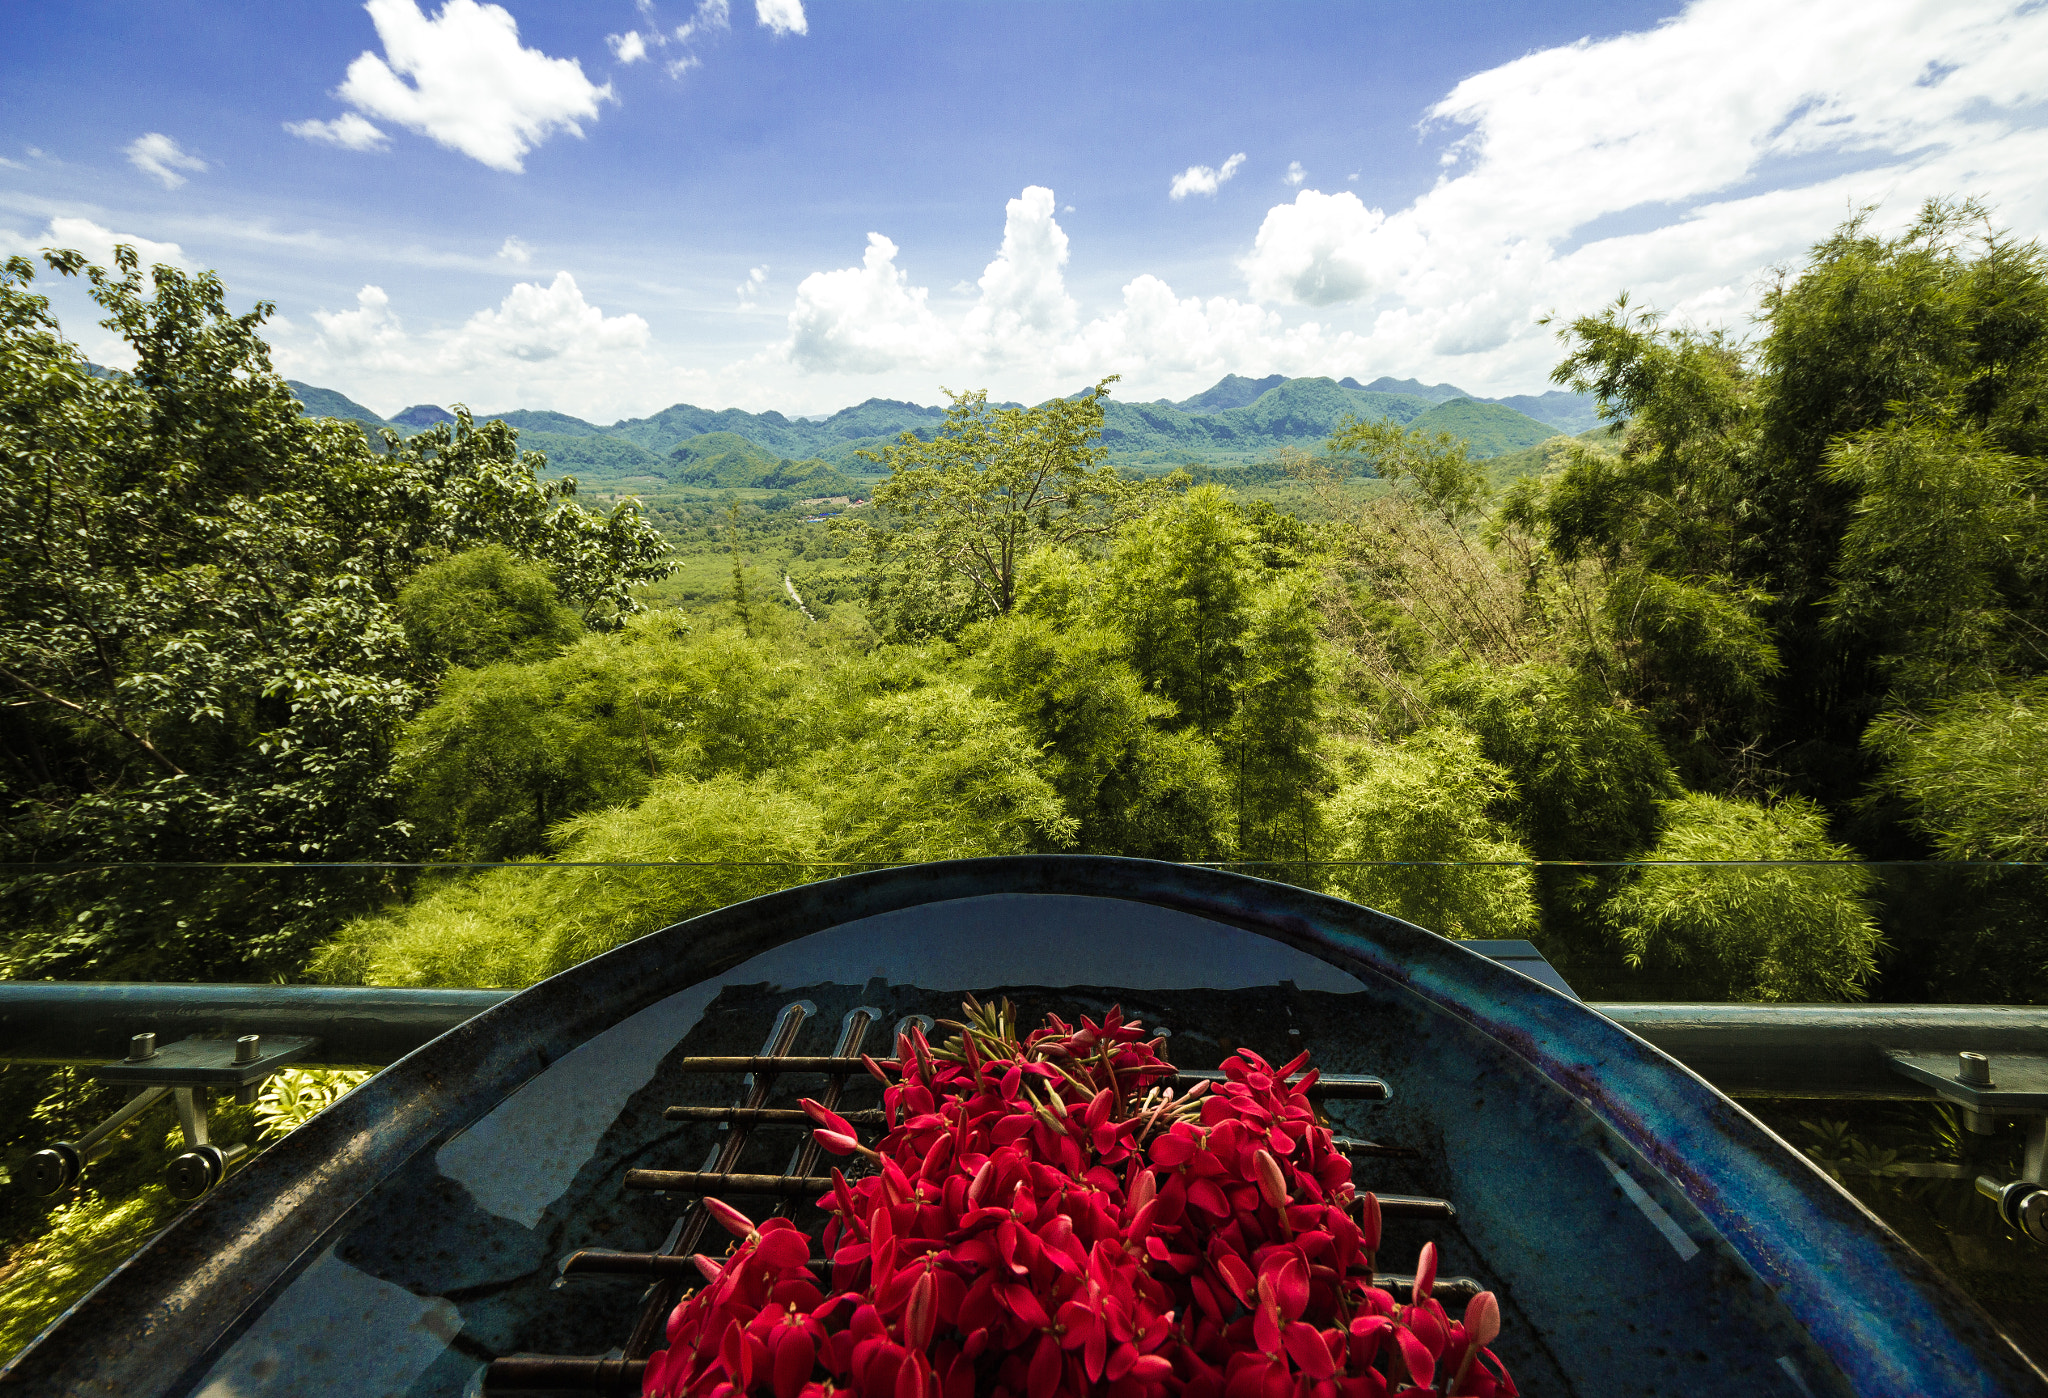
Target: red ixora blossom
1047	1219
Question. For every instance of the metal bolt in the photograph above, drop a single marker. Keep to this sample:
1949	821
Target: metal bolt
1974	1069
248	1048
2032	1216
142	1047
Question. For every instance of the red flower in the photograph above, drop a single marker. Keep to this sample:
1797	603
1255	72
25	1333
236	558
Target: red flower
1015	1240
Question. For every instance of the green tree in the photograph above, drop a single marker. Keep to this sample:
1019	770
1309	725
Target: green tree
509	750
937	772
1972	772
993	486
1180	584
1803	932
483	606
1435	465
1846	507
699	845
1416	814
1274	736
199	630
1132	786
739	580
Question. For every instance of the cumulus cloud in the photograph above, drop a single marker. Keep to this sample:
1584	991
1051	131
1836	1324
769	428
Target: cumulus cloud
782	16
1025	329
1295	174
159	157
542	346
95	241
1673	163
515	250
349	131
1201	179
1318	251
463	79
866	319
629	47
1023	292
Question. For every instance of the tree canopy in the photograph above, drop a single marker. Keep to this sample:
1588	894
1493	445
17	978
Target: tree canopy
964	509
216	614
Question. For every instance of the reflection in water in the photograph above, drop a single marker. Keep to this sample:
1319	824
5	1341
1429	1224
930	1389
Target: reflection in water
1071	941
550	1126
324	1325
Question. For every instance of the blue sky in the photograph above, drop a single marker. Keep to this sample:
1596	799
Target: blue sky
565	206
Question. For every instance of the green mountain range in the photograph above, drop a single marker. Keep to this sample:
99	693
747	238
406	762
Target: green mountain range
1238	420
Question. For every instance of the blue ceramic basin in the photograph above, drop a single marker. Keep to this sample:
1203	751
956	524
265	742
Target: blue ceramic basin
1645	1234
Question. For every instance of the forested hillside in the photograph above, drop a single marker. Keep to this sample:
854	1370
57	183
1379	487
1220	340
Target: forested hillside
1237	421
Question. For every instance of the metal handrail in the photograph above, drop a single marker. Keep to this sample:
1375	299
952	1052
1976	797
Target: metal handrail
1835	1051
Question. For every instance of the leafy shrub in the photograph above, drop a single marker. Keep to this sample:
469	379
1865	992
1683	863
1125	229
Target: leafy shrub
1973	772
294	1096
1425	799
483	606
512	927
1797	933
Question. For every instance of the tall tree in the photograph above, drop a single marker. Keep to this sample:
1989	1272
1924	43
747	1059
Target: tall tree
200	651
993	486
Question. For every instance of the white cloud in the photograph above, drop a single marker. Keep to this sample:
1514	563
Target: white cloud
782	16
349	131
747	290
6	164
159	157
1317	251
515	250
1675	162
1295	174
1202	179
96	242
1023	292
865	319
536	324
541	346
711	15
628	47
369	335
1024	328
472	87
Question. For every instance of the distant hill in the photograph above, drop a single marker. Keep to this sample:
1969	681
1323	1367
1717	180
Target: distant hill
1230	391
1435	392
325	402
594	457
559	424
1570	413
1237	420
1488	428
726	460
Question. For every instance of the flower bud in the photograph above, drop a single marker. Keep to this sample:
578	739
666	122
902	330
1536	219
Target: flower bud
1272	1184
1482	1319
735	1222
919	1314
